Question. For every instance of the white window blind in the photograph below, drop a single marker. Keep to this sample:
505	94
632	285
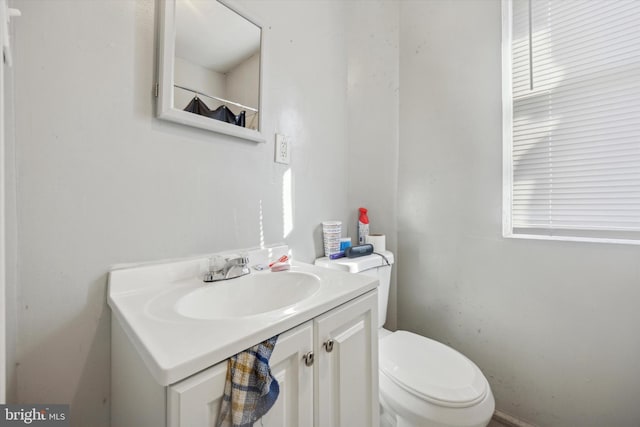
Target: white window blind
572	123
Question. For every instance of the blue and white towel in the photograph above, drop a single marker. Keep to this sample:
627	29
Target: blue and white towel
250	389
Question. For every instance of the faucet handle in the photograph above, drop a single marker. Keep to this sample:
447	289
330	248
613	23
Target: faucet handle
239	260
217	263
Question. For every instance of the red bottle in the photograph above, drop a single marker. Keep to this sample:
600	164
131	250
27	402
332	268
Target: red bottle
363	226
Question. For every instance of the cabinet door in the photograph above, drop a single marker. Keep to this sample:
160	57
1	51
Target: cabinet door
294	407
346	382
195	401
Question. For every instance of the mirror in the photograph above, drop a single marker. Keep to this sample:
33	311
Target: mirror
210	60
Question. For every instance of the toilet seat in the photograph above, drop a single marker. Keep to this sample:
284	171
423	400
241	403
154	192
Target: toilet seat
431	371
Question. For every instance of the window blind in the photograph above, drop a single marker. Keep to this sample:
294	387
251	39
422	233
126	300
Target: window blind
575	125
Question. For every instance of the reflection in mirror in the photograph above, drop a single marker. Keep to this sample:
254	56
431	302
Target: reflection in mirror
217	63
210	55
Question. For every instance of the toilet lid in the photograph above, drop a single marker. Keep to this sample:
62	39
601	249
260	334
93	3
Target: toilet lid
431	370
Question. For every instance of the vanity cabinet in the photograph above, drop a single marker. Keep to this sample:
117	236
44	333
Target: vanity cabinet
339	389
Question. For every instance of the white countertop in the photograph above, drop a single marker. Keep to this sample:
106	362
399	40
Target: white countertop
174	347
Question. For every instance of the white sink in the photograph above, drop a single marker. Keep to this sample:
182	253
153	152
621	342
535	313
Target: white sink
180	325
248	295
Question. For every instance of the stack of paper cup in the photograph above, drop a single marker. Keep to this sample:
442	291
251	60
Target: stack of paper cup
331	231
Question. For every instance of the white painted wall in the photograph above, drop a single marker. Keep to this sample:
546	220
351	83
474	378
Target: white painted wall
100	181
373	84
8	232
3	286
553	325
10	235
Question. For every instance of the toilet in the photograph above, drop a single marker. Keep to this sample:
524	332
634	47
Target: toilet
423	383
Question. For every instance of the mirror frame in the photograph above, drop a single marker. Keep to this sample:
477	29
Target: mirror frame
166	69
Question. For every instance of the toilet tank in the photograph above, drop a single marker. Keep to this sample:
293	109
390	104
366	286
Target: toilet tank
372	265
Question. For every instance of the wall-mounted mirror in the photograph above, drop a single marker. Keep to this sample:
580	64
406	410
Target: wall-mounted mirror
209	73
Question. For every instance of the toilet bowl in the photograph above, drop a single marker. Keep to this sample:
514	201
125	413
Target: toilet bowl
426	383
423	383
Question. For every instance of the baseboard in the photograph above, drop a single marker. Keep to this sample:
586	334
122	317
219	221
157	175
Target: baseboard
510	421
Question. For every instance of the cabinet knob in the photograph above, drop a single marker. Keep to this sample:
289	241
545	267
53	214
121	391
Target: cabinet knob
328	345
308	358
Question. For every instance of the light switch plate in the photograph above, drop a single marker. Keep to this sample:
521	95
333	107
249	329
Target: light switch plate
283	151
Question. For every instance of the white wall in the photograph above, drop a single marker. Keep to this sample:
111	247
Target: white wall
3	286
553	325
100	181
373	84
10	260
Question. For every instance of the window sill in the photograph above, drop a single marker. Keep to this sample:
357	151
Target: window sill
571	238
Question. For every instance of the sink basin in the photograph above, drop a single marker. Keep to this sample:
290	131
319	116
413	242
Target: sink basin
248	295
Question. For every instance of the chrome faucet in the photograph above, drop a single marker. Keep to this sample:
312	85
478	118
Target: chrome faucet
234	267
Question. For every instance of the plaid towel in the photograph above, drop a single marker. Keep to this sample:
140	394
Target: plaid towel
250	390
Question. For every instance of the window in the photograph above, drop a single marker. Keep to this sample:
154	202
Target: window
571	102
